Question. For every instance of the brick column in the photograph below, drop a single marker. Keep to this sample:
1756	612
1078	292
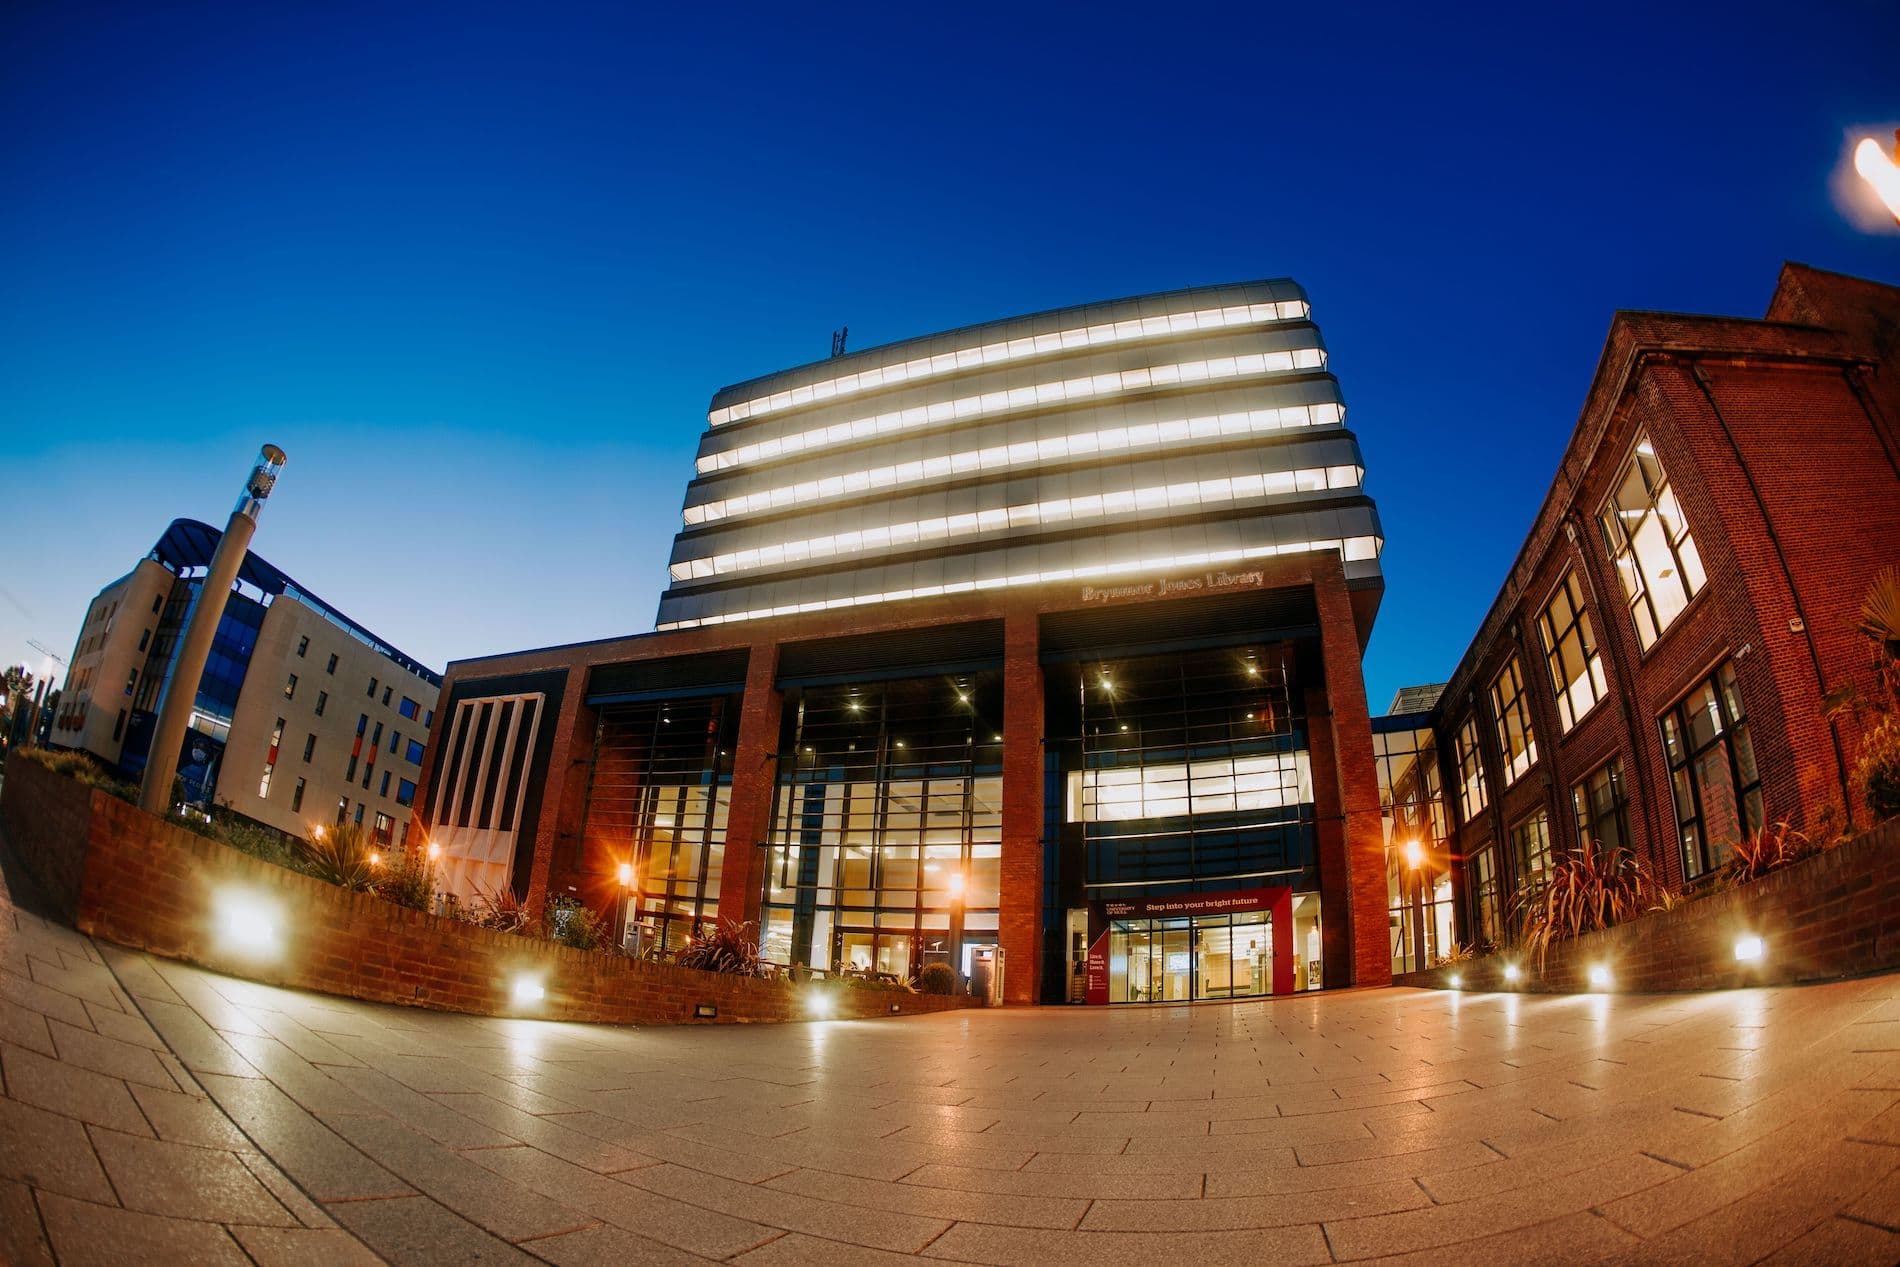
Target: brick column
1335	864
1358	777
563	798
754	779
1021	898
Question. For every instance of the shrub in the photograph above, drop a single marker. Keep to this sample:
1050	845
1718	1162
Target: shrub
937	978
409	881
1769	849
1588	889
879	981
82	766
498	909
730	948
338	855
573	924
1877	769
264	843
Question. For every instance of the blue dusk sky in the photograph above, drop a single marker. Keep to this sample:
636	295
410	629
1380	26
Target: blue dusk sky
479	268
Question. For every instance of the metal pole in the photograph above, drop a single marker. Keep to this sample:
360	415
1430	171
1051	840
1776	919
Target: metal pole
194	647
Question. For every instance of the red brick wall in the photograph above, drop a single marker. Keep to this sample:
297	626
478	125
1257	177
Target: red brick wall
1834	915
148	884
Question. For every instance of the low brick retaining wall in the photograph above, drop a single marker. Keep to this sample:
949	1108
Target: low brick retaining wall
1834	915
120	874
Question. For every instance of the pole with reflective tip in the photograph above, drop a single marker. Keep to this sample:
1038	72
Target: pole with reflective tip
194	646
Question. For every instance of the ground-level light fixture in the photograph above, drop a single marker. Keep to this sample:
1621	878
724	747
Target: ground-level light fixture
375	858
1456	981
246	923
1513	973
819	1004
1599	976
527	991
1749	948
705	1011
435	851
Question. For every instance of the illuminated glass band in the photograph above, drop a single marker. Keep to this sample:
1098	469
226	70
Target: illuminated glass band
1012	350
1038	396
1003	457
1349	548
1034	514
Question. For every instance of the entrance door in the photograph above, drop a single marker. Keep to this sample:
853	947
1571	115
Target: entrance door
1175	981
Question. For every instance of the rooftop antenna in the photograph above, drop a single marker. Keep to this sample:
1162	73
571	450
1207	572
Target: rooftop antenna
837	341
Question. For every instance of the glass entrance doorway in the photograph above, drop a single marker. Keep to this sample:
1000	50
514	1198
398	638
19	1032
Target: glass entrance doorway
1198	957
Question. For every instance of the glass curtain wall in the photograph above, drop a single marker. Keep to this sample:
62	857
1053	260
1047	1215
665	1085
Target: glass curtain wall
1417	865
658	797
886	844
1193	774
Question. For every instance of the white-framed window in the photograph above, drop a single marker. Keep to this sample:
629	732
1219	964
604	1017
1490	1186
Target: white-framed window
1648	538
1570	652
1511	713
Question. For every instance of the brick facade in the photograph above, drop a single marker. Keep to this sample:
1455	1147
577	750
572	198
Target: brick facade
1777	440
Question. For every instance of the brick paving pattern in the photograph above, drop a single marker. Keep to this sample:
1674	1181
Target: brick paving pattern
154	1112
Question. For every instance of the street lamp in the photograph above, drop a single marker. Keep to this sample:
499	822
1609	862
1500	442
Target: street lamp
625	876
1881	170
1414	863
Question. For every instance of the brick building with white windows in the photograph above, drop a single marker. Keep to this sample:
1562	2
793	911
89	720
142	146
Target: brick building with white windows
1653	672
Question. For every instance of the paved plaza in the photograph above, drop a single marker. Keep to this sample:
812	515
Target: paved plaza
157	1113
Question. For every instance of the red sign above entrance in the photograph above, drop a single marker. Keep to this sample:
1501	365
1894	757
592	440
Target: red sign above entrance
1194	904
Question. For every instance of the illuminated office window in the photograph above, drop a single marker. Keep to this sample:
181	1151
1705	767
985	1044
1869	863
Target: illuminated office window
1648	539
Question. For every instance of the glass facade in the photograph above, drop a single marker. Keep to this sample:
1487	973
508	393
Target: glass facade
1188	770
1194	428
885	850
658	796
1712	772
1194	957
1417	867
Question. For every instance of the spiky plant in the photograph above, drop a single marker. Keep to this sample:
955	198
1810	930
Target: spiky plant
731	948
1768	849
498	909
1588	889
338	855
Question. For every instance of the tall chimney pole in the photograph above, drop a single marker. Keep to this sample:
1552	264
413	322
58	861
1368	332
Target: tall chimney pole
194	648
